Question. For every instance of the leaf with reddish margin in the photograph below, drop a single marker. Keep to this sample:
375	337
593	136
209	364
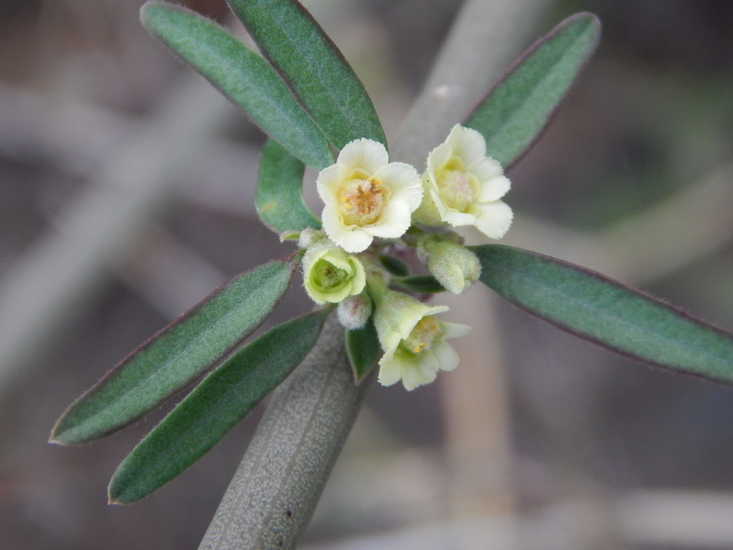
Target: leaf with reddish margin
218	403
519	106
313	67
241	75
177	355
604	311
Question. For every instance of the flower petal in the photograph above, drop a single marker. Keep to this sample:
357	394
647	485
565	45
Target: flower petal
485	169
327	184
445	355
458	219
389	369
404	182
468	144
421	372
363	153
454	330
494	189
351	240
438	157
395	221
494	219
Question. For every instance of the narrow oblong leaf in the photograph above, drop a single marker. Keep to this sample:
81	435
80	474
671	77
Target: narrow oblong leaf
176	355
520	105
363	348
420	283
279	196
394	266
594	307
242	76
219	402
313	67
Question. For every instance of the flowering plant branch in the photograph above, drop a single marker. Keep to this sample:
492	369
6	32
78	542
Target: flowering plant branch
376	214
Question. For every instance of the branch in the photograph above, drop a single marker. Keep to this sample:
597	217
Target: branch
281	477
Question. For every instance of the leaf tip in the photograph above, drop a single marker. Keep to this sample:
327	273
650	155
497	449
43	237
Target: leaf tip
57	434
591	19
145	11
116	495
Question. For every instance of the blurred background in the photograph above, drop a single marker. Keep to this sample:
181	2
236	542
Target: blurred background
126	188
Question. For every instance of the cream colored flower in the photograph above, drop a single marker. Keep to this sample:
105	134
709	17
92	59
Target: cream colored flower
463	186
414	340
366	196
330	274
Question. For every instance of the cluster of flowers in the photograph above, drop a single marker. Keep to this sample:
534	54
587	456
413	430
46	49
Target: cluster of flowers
365	197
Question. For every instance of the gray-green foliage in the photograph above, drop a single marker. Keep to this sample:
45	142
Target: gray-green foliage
313	67
521	104
177	355
363	347
221	400
241	75
279	197
595	307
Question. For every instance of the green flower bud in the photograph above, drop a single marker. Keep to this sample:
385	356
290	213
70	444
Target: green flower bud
453	265
330	274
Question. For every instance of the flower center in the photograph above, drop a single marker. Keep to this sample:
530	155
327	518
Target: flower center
423	335
328	277
361	202
456	188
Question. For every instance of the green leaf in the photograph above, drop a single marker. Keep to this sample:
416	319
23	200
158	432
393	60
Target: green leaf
426	284
606	312
519	106
219	402
394	266
279	196
313	67
176	355
241	75
364	350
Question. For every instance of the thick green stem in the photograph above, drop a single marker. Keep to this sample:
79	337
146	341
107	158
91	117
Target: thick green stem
281	477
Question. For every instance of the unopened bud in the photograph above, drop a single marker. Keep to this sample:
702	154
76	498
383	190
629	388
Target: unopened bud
454	266
354	311
330	274
309	236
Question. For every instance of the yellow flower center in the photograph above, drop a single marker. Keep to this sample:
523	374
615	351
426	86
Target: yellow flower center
457	188
423	335
361	201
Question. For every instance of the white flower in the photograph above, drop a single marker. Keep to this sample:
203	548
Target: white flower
463	186
414	340
366	196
